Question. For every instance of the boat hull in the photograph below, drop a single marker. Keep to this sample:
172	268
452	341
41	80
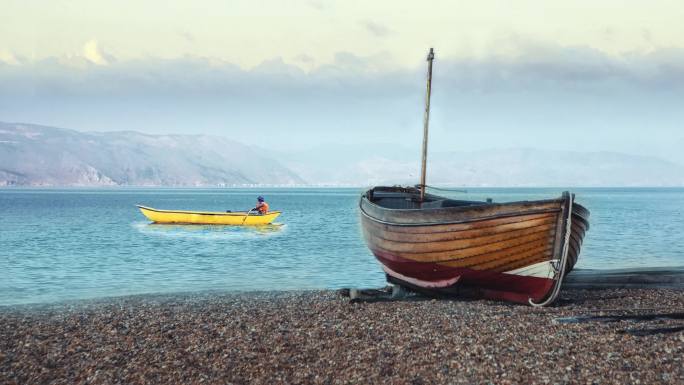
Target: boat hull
207	218
508	251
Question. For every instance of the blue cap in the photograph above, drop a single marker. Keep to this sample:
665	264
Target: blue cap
260	198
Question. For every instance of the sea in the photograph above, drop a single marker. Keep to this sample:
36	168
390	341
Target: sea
74	244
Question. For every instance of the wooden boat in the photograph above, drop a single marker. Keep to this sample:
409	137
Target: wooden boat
516	251
207	217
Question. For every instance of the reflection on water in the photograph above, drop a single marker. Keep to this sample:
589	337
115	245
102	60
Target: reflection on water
209	232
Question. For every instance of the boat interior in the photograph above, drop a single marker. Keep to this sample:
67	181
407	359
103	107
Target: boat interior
409	198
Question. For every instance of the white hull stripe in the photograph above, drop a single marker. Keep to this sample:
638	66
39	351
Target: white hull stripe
421	283
541	270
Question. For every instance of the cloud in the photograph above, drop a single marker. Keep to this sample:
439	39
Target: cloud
8	57
522	63
534	69
187	36
319	5
532	91
528	67
95	54
376	29
348	64
304	58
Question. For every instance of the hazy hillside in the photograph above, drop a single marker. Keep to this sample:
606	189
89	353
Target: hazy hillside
387	164
44	156
534	167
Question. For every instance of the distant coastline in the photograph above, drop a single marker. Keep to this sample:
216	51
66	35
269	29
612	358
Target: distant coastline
460	189
41	156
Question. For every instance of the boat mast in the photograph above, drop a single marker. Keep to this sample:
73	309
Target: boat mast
426	119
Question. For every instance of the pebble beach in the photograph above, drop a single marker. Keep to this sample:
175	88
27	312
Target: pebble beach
320	337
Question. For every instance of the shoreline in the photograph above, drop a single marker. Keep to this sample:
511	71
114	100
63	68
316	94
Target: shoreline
320	337
653	277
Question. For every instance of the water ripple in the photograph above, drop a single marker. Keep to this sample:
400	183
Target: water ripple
76	244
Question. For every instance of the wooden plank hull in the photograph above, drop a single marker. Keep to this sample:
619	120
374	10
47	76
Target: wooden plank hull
510	251
207	218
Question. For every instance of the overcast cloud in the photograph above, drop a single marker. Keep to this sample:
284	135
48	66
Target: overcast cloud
540	95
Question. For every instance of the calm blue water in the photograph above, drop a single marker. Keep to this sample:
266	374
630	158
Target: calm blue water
75	244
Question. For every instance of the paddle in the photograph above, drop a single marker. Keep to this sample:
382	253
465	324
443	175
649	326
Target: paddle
250	210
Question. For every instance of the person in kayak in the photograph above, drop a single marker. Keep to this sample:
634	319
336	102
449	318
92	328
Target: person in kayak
262	206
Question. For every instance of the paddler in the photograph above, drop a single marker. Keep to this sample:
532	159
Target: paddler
262	206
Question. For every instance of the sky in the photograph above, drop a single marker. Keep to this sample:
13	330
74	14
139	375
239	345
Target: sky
581	75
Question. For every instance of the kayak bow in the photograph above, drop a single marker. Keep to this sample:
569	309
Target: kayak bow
207	217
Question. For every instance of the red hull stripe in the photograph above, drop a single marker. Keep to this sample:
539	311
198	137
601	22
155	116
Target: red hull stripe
504	286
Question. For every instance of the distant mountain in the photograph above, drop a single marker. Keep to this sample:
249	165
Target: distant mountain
352	164
33	155
535	167
388	164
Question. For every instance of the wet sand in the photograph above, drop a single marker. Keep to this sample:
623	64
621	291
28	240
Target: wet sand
320	337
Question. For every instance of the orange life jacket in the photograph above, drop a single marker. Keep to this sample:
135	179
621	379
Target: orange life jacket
262	207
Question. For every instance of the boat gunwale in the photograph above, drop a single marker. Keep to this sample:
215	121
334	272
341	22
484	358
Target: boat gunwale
582	211
460	208
216	213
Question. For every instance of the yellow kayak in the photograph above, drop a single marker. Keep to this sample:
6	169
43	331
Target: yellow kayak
208	218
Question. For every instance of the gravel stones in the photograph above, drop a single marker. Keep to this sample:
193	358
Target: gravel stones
319	337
